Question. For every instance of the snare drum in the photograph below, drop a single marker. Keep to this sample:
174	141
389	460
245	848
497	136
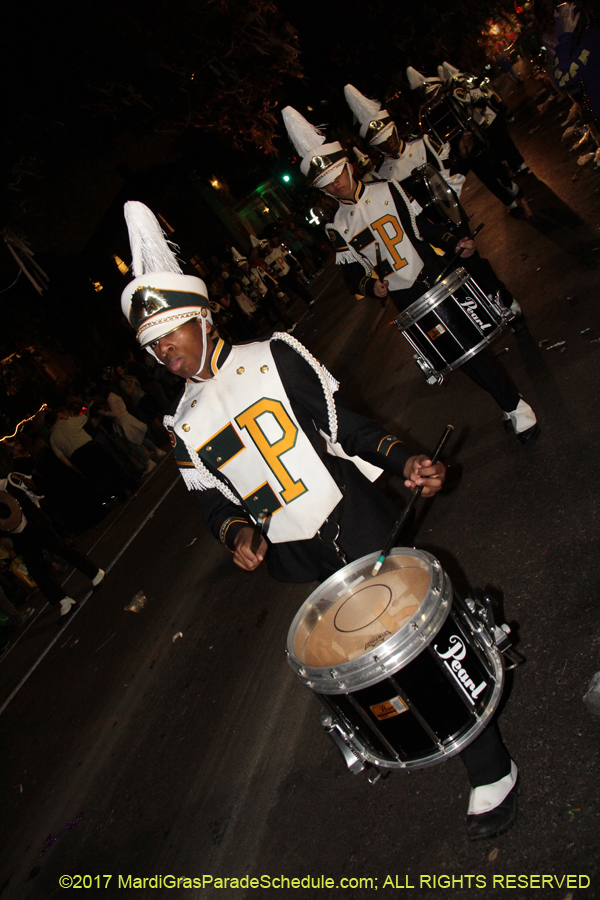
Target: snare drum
451	323
407	677
433	194
447	119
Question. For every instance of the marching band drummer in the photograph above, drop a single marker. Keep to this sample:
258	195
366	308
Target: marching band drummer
401	158
250	433
383	212
400	154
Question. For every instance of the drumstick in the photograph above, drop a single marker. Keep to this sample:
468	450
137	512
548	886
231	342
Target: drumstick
379	268
260	530
399	523
457	255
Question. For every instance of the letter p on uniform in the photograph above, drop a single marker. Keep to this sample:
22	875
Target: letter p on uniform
207	880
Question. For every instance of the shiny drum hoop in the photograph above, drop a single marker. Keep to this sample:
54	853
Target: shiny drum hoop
446	119
450	323
407	677
433	194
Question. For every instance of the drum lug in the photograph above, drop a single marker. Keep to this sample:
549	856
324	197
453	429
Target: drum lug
354	763
481	607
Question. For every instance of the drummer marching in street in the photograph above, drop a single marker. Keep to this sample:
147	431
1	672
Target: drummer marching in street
401	154
470	151
261	437
383	214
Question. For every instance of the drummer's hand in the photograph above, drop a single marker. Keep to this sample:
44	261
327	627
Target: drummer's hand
419	471
468	247
381	288
243	555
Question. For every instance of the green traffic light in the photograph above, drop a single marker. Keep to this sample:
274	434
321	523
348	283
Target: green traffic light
286	177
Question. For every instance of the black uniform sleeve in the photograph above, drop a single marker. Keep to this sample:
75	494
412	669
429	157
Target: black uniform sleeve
357	435
223	518
431	232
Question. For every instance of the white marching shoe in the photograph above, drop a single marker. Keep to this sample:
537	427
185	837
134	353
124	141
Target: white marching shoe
66	605
523	422
493	807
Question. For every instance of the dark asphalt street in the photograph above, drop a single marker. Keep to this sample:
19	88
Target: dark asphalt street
202	755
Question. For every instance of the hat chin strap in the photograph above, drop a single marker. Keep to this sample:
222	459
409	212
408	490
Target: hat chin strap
204	347
350	173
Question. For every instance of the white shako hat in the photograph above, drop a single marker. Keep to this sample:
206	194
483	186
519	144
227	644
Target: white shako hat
376	124
320	162
448	72
416	80
237	256
256	243
361	158
160	299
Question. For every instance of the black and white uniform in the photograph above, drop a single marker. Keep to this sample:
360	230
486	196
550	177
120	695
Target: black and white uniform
383	212
252	438
416	152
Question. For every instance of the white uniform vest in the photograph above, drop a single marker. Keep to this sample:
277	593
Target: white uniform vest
414	154
242	421
374	218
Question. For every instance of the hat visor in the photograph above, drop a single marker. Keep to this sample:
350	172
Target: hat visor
383	135
330	174
165	323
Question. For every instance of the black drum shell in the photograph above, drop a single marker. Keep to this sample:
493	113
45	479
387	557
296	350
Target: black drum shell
440	719
452	322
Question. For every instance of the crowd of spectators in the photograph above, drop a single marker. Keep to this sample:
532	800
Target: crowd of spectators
67	469
73	464
254	291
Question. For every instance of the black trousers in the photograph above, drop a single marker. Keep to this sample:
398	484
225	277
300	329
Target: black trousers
486	759
31	543
493	175
504	146
290	282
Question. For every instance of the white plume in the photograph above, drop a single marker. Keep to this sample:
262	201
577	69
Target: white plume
305	137
150	250
450	72
364	110
415	79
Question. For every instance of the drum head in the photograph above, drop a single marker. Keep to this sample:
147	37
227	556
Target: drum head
364	616
443	196
353	621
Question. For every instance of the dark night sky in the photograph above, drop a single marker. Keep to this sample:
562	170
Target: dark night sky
89	100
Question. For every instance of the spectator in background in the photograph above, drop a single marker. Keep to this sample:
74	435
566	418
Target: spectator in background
578	56
75	448
134	431
31	535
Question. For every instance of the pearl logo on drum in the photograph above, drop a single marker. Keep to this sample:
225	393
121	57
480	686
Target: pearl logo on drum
452	661
469	307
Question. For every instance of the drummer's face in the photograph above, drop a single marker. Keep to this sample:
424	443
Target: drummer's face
391	147
181	351
341	187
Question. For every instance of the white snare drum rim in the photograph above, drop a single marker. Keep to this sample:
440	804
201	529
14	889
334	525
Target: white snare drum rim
394	653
